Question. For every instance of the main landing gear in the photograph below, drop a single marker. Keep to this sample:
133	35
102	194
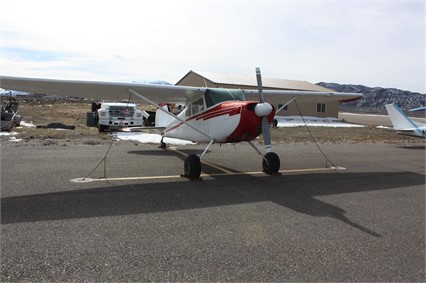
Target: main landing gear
192	167
192	164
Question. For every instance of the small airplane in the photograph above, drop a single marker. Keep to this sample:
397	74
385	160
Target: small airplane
211	115
402	124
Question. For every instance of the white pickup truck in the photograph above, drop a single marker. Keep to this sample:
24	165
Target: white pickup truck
115	115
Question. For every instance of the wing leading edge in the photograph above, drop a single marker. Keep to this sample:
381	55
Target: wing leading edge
99	90
157	93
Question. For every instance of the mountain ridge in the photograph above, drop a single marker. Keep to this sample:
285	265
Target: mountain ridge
375	98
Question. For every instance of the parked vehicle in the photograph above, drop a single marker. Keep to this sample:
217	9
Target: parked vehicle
115	115
9	114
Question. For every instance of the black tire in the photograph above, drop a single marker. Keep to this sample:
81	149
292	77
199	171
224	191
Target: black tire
192	167
102	128
271	163
275	123
162	145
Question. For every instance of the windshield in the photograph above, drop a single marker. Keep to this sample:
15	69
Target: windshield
216	96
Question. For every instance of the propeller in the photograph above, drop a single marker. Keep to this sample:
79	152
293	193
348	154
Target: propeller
262	110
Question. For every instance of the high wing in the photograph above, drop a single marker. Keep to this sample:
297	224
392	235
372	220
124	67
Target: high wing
157	93
100	90
284	96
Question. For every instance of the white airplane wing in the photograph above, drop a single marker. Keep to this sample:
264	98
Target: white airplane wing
276	97
156	93
99	90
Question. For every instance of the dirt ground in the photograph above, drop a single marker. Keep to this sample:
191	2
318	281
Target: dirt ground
73	113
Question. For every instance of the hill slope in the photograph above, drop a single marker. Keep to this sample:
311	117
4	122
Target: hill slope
375	98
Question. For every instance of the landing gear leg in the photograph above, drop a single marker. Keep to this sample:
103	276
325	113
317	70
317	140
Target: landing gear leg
162	144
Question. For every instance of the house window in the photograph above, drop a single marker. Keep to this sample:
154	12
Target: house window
321	107
284	109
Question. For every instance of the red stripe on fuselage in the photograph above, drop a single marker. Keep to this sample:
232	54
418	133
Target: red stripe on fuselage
249	127
229	112
229	108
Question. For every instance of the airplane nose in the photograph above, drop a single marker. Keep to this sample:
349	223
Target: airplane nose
263	109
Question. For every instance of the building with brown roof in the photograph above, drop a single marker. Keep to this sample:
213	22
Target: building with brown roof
205	79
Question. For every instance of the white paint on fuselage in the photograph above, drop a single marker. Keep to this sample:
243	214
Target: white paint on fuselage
219	128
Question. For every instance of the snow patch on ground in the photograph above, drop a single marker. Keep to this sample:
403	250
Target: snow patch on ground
149	138
5	134
297	121
26	125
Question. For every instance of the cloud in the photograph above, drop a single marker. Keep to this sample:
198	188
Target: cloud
376	43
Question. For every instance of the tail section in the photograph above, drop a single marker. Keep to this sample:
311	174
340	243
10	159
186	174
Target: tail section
399	120
402	123
163	119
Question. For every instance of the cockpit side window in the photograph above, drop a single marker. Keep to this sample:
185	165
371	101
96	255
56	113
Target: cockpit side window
197	106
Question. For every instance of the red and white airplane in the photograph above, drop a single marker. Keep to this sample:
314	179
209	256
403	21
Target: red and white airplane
211	115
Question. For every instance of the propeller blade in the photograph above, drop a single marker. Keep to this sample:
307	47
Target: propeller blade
259	85
265	123
266	134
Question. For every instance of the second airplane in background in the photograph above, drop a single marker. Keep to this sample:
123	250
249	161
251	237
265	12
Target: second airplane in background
404	125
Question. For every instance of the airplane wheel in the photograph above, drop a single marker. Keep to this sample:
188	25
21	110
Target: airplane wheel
271	163
192	166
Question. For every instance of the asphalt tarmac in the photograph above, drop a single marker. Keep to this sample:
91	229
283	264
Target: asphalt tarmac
145	223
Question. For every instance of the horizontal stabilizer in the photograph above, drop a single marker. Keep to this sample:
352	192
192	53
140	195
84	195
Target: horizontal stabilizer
418	109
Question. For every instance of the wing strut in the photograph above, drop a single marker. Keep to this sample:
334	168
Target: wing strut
169	113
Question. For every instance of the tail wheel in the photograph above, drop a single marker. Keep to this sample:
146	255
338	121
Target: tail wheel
192	167
271	163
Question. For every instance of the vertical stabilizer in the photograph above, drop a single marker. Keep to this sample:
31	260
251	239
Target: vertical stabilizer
163	119
399	120
403	124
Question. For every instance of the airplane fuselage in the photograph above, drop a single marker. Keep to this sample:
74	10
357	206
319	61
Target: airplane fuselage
226	122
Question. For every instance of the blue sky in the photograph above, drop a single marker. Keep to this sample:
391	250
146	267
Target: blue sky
375	43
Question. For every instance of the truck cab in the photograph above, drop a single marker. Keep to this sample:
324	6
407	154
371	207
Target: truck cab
115	115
